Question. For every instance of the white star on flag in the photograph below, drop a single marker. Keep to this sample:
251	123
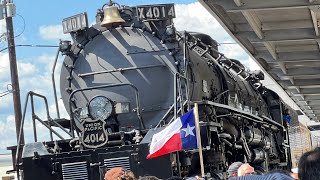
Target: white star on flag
188	130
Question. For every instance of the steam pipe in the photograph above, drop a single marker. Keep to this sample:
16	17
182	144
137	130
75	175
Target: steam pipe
186	72
227	142
54	83
225	135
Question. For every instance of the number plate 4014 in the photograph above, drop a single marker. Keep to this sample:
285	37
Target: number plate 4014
94	134
157	12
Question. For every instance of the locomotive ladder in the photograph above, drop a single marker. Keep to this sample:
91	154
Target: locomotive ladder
48	124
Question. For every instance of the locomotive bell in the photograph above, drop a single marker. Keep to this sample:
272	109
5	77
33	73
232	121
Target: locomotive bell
111	16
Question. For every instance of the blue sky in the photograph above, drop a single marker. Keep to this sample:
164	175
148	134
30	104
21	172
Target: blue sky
43	26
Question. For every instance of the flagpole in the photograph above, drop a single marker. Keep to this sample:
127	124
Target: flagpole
196	118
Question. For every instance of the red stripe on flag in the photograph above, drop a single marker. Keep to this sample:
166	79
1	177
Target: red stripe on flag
172	145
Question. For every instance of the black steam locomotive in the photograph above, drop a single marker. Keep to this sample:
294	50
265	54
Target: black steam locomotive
131	74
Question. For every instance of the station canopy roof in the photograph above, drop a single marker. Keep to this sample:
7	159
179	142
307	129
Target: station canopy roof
283	37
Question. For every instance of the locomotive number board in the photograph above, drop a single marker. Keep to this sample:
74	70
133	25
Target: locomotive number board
156	12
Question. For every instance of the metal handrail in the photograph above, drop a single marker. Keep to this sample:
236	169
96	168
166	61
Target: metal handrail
35	117
54	83
120	70
177	89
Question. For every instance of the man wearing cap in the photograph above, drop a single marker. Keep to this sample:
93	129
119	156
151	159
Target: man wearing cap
233	169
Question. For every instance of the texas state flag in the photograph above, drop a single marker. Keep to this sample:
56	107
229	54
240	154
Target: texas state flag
179	135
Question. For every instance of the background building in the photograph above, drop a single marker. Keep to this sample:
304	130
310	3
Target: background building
300	142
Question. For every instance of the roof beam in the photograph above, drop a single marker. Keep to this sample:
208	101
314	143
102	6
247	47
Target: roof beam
312	98
230	6
286	77
305	56
307	94
313	103
318	41
286	25
299	82
298	72
304	87
238	2
295	48
304	64
314	11
303	71
285	40
288	35
312	107
254	22
272	50
294	61
308	91
284	70
266	26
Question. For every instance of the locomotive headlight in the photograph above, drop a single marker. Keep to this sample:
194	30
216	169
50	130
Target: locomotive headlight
100	107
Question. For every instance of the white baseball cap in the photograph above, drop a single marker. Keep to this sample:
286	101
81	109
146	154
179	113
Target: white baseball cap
294	170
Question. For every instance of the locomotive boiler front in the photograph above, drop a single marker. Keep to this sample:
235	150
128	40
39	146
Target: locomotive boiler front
136	66
126	75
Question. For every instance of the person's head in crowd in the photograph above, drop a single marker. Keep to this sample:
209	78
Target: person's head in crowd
271	176
119	174
149	178
317	149
309	166
245	169
233	169
174	178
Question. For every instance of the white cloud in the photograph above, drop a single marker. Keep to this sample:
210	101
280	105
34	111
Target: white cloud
4	66
26	69
2	28
233	51
53	33
40	82
253	65
45	58
194	17
6	101
62	110
8	132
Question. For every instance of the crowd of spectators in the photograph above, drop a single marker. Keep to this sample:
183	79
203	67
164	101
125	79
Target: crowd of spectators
308	169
